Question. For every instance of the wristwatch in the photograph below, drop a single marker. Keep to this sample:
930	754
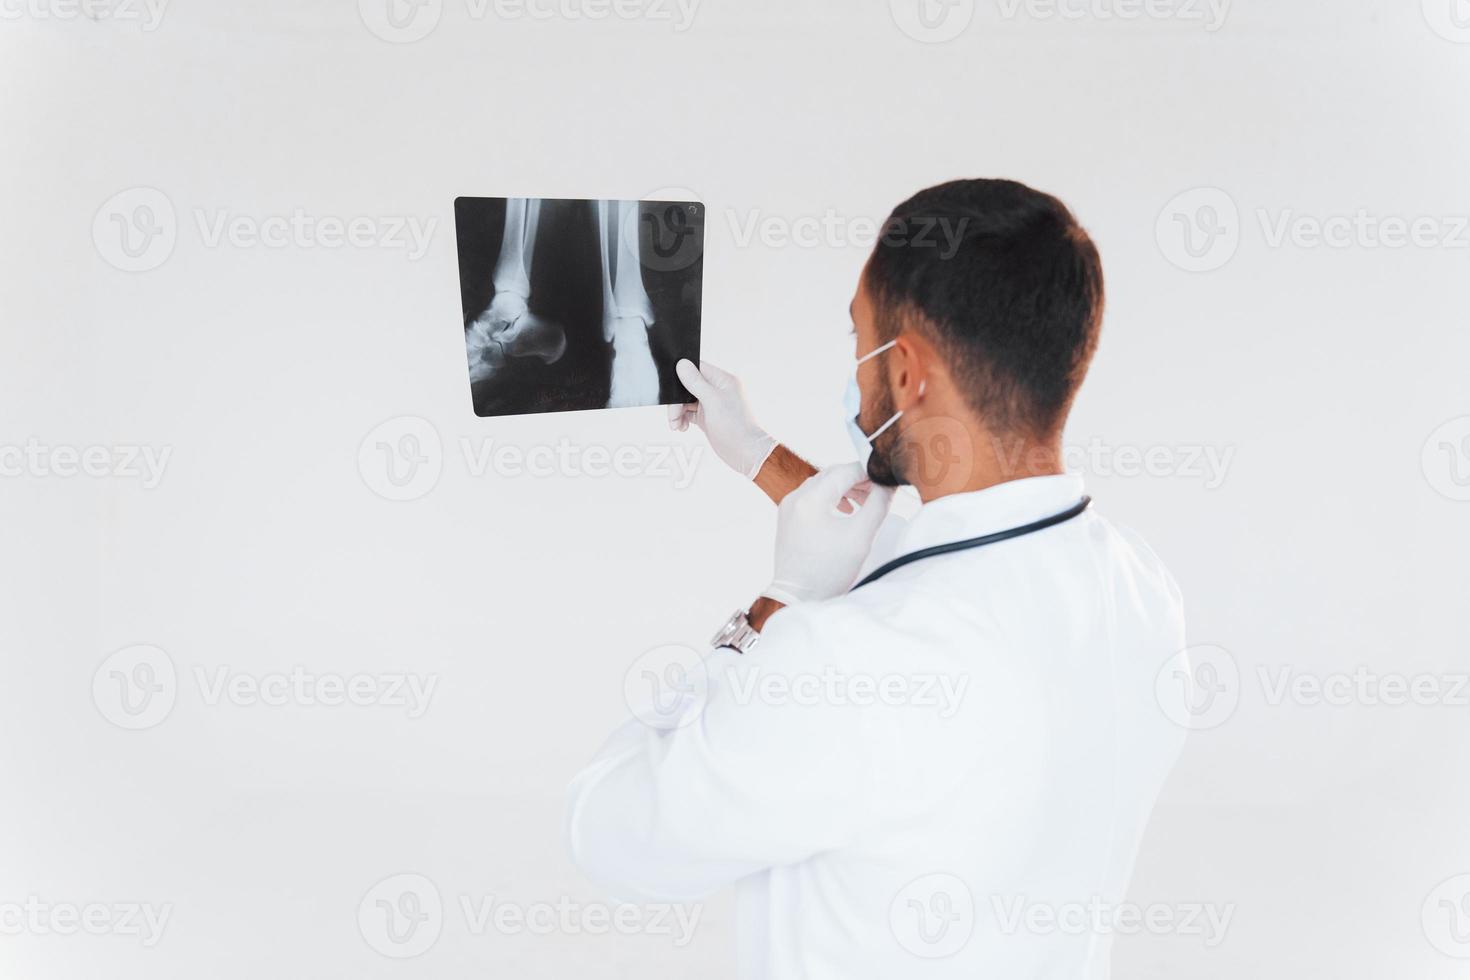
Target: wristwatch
737	634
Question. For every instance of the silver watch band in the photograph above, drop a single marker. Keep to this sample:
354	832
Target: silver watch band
737	634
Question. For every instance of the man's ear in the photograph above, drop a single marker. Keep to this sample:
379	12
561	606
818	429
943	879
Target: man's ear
912	359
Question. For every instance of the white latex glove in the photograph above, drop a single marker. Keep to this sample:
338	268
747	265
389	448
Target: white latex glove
724	416
824	530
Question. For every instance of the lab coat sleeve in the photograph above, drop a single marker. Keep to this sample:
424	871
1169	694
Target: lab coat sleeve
766	771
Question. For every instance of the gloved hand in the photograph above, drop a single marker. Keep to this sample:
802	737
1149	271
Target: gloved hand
724	416
824	530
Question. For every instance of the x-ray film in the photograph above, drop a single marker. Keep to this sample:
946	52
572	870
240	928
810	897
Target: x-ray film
572	305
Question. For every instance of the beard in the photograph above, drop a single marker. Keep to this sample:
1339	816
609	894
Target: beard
886	464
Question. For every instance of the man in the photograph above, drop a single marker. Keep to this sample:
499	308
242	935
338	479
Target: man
945	771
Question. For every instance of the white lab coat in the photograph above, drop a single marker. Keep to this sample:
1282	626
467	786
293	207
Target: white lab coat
896	834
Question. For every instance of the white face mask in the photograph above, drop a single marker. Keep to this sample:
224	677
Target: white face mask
852	404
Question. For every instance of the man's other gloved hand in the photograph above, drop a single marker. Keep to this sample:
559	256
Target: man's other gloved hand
824	530
724	416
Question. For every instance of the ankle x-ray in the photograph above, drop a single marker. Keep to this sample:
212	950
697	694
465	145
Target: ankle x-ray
578	304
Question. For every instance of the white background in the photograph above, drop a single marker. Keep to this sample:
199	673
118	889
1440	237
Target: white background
1333	542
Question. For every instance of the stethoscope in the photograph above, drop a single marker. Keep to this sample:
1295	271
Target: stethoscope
980	542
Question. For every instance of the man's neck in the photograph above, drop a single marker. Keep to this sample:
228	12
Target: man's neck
994	460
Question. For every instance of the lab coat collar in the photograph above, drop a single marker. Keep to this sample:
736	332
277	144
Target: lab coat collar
1014	503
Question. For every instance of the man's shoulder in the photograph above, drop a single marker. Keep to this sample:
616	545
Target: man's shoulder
1143	560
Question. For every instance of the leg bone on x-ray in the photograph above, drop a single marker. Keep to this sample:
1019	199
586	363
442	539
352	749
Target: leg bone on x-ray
627	312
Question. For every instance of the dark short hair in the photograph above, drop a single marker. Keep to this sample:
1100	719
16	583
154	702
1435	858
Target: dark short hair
1009	287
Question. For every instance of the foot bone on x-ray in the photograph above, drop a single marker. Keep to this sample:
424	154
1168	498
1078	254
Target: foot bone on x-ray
508	328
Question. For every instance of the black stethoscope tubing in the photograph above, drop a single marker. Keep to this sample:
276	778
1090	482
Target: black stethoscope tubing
980	542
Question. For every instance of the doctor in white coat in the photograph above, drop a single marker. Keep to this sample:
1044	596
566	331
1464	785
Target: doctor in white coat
930	748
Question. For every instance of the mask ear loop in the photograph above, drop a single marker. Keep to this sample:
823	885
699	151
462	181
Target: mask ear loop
884	427
876	351
897	415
